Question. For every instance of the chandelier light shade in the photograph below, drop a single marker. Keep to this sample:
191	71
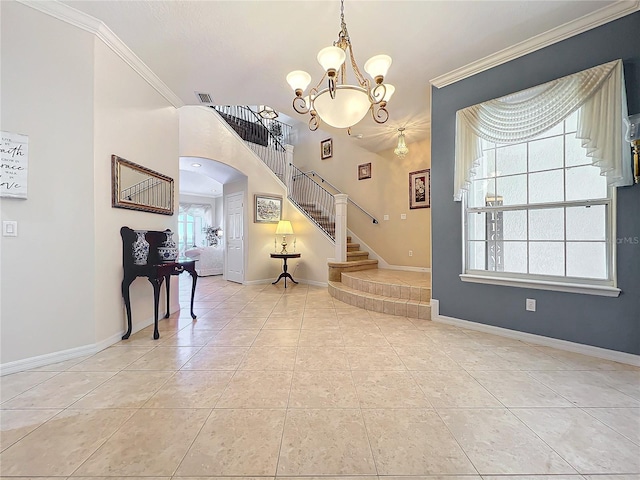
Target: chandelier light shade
338	103
401	150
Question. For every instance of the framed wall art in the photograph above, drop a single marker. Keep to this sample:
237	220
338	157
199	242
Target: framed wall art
326	149
267	208
364	171
14	155
420	189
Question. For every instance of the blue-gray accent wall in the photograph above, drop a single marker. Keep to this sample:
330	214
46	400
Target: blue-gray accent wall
611	323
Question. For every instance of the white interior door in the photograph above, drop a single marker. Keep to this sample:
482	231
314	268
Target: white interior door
234	211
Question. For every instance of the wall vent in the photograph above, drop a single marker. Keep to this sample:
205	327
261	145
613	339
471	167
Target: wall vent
204	98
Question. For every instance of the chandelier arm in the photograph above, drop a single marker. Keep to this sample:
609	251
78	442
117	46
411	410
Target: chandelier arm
314	123
380	114
313	93
377	97
300	106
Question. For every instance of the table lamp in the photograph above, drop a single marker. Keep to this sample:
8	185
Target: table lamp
284	228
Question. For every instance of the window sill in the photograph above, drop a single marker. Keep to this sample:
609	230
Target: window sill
601	290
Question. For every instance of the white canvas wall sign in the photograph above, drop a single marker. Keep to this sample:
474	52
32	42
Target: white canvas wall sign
14	156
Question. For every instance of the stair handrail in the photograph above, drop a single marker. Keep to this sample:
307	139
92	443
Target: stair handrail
313	173
258	136
328	205
277	144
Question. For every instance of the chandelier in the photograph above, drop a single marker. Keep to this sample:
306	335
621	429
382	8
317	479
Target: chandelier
339	104
401	150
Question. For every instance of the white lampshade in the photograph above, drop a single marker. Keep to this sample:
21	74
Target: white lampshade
378	65
298	80
331	58
284	228
348	108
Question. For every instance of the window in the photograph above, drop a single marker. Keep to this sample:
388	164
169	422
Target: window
191	221
537	170
540	210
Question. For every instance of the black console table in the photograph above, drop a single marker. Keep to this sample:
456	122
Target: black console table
155	270
285	274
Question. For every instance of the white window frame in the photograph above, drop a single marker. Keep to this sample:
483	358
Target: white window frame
588	286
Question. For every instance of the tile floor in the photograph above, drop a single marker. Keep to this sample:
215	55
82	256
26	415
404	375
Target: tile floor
274	383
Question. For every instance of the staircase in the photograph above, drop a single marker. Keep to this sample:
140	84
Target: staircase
358	281
319	217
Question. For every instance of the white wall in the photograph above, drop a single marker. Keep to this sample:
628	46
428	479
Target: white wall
131	120
203	134
79	103
385	193
48	271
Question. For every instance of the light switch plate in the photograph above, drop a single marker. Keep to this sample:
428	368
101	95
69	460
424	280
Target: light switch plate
9	228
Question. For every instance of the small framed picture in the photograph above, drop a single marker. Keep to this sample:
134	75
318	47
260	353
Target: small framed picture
326	149
420	189
364	171
267	208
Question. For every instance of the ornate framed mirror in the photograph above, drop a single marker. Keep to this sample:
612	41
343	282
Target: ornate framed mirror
138	188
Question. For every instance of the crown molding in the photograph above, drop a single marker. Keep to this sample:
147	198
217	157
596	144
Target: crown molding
570	29
92	25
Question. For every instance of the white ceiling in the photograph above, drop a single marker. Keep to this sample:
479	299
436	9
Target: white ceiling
241	51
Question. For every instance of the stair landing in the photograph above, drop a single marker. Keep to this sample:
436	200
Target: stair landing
394	292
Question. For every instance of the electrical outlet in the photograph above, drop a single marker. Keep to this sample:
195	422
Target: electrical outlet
411	253
530	305
403	216
386	217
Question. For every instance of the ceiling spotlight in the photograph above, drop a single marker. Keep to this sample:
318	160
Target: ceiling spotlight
340	104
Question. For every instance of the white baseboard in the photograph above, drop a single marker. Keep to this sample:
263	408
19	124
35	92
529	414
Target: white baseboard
407	268
612	355
64	355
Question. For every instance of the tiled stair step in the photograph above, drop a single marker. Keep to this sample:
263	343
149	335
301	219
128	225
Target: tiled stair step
337	268
406	292
380	303
358	255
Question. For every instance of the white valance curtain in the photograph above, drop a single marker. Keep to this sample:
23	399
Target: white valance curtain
197	210
599	96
